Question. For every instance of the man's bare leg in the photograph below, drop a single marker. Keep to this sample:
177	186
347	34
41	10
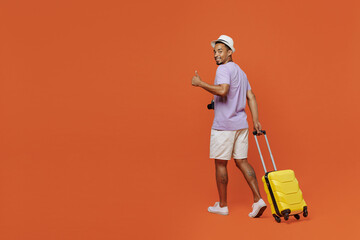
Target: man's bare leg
250	176
221	180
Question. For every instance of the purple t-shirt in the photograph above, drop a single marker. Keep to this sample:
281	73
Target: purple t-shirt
230	110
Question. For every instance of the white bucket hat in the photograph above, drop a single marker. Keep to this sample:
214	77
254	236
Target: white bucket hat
226	40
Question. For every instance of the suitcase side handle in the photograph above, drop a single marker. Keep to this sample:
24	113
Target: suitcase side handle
267	143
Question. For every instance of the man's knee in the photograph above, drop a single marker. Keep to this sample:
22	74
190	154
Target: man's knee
221	163
221	171
240	162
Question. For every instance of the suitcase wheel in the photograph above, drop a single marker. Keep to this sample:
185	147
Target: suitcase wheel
286	214
305	212
277	219
297	216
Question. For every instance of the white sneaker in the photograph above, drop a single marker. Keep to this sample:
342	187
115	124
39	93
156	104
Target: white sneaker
219	210
258	209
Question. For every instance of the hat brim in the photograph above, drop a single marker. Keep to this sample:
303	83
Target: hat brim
213	43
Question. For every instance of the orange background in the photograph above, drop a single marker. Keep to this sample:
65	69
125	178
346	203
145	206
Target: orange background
103	136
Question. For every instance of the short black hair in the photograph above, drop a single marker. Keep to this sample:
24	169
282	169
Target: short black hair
227	47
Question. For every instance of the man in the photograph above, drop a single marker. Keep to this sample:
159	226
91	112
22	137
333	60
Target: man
229	133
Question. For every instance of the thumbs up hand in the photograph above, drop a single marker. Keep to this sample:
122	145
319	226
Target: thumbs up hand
196	80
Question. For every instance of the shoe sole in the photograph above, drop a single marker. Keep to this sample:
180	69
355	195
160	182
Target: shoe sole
220	213
260	212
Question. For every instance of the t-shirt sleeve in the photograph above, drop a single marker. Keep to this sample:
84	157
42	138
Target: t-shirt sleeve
248	86
222	75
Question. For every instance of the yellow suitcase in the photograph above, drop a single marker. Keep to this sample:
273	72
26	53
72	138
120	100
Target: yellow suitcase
282	189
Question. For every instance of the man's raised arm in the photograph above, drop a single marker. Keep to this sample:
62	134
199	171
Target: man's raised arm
220	90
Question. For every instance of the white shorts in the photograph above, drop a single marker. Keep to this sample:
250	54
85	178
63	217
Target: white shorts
227	144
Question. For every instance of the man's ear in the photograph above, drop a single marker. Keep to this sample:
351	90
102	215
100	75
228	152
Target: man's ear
229	52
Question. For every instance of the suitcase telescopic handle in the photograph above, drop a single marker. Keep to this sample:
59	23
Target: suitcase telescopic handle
267	142
262	131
